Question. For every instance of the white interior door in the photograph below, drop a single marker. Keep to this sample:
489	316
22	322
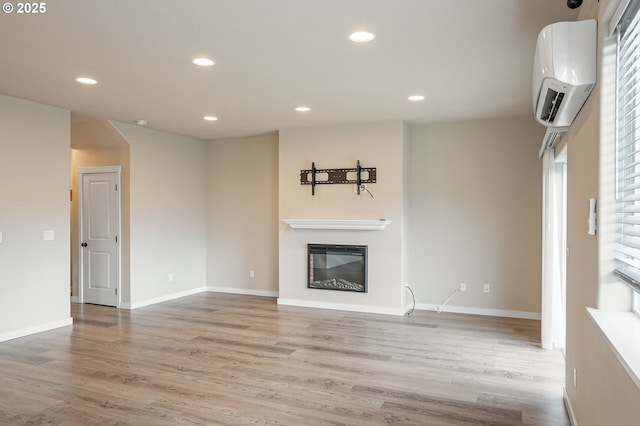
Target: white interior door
99	233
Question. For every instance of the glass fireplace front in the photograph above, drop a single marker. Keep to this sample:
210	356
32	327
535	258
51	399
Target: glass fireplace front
337	267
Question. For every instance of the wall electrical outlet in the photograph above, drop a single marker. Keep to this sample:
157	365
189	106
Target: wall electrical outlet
487	288
463	287
575	378
252	274
170	278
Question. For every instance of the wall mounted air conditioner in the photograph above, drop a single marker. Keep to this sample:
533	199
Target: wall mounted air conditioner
564	72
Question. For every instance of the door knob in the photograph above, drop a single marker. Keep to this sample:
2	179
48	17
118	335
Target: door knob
83	244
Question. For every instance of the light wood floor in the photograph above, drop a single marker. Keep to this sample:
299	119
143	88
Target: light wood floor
237	360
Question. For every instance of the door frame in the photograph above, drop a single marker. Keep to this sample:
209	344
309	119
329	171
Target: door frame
562	174
92	170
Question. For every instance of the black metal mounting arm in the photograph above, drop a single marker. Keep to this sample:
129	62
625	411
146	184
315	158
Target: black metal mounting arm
316	176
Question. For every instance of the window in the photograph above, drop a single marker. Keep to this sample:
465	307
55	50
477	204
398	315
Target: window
628	149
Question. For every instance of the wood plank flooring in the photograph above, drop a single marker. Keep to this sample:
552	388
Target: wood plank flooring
226	359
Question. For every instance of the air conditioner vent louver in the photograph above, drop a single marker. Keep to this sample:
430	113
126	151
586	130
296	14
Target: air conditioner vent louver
552	104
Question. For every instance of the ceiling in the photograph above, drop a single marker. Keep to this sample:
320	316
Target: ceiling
471	59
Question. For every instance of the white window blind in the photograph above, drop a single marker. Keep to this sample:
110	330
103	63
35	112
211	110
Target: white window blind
628	147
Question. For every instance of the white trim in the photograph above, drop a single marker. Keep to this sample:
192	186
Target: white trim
353	225
489	312
173	296
568	408
245	291
102	169
165	298
341	307
75	299
614	12
621	330
335	306
408	308
35	329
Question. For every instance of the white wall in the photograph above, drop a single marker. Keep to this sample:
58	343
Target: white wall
476	191
168	213
377	145
242	215
34	197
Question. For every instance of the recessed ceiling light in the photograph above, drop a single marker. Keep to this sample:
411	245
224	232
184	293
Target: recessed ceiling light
203	62
303	109
86	80
416	98
362	36
210	118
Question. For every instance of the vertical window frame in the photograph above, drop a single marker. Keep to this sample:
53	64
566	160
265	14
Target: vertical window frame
627	150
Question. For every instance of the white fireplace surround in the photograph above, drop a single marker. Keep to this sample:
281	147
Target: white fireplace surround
354	225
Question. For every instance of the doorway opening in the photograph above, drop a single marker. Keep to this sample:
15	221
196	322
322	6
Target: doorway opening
96	144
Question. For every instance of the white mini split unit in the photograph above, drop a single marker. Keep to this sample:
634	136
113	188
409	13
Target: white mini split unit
564	74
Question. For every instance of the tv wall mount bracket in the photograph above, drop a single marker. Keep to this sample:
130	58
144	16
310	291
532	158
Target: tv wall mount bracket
355	176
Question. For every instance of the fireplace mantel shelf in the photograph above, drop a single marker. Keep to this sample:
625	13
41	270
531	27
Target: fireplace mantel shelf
355	225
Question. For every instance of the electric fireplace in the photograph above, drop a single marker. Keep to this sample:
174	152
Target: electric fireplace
337	267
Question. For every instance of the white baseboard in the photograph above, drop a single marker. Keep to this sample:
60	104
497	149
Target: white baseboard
341	307
75	299
36	329
165	298
567	406
173	296
246	291
480	311
333	306
408	309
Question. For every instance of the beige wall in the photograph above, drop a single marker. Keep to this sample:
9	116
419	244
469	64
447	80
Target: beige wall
242	214
605	394
476	202
34	197
96	143
167	217
377	145
437	221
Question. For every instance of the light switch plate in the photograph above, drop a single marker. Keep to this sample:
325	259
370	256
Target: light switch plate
49	235
0	237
